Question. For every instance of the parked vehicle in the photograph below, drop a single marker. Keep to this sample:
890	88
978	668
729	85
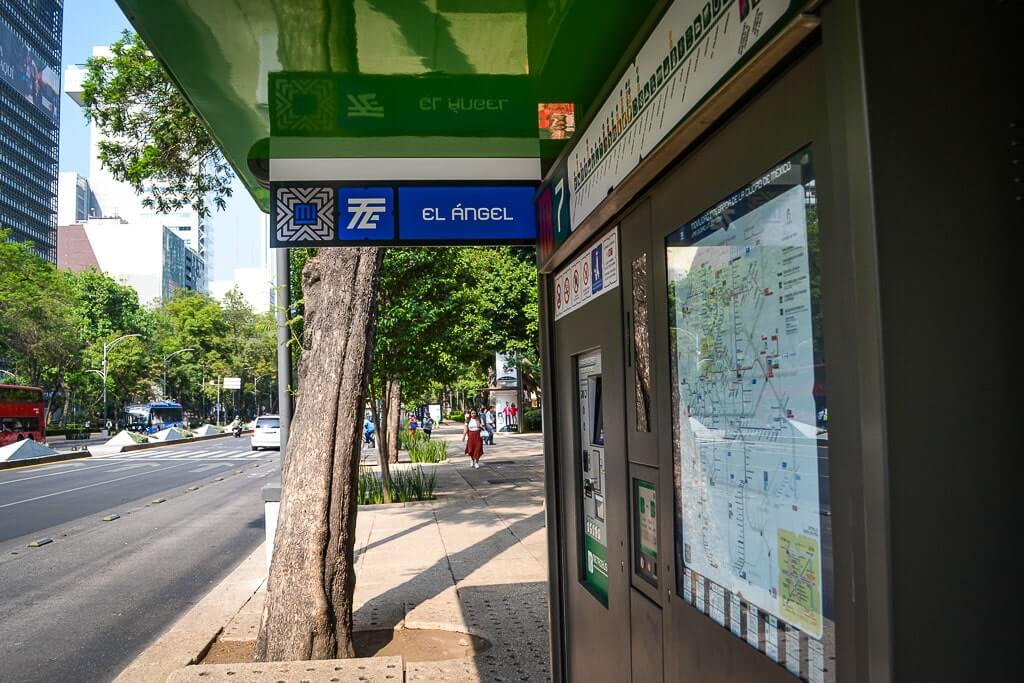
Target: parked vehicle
151	417
266	432
22	414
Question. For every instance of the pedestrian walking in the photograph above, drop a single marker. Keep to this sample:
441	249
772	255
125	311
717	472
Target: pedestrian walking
428	425
489	424
413	426
471	435
368	432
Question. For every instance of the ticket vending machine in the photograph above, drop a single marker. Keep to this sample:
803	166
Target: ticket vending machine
593	484
593	462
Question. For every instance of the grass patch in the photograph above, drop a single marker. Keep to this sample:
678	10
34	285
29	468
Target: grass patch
406	438
406	485
422	450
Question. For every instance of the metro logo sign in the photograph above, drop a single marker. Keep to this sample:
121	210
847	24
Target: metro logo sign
590	275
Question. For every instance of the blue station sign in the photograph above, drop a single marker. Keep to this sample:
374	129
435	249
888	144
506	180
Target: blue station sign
396	214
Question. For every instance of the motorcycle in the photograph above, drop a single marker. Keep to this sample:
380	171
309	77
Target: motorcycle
237	431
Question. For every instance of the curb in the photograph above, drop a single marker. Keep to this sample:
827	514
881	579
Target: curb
70	455
159	444
191	636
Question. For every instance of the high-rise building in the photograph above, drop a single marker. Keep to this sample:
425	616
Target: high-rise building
30	48
148	257
75	200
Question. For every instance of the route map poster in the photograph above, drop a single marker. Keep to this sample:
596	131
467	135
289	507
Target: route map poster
749	421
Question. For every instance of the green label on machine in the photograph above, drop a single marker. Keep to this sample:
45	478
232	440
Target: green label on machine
596	567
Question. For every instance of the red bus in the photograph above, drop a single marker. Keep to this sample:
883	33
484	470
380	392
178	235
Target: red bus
22	414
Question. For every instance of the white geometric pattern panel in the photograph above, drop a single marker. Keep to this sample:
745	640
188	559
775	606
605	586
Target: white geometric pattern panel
305	213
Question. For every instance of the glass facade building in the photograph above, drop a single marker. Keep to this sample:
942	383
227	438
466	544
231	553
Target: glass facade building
30	50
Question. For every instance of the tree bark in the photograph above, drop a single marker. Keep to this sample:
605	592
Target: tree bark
65	408
308	609
394	416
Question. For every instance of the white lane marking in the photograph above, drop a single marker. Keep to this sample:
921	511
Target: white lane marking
89	486
207	468
70	470
184	456
136	466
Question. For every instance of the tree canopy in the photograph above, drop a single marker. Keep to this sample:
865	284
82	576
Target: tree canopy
153	139
54	325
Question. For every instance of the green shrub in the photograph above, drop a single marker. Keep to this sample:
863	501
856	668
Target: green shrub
406	485
405	437
532	420
422	450
457	416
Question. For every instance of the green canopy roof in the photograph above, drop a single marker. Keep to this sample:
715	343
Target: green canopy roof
222	53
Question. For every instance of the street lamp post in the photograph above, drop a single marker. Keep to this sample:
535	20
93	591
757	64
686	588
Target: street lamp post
106	349
255	396
167	358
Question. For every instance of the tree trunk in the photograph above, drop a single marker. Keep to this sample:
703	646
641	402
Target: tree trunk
382	443
394	418
49	404
308	609
65	408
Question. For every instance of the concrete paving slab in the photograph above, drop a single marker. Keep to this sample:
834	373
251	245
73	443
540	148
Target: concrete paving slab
373	669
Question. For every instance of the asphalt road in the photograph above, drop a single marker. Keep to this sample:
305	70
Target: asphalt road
82	607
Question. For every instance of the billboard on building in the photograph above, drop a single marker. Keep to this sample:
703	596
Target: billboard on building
26	71
506	374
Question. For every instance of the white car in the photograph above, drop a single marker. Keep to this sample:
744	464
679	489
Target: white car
266	432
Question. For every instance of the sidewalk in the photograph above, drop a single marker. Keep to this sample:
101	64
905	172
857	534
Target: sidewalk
471	561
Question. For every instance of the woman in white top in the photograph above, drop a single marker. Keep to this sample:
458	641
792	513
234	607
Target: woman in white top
471	435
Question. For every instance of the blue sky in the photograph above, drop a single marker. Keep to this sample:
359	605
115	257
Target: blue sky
87	23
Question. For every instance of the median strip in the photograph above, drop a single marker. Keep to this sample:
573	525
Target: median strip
35	543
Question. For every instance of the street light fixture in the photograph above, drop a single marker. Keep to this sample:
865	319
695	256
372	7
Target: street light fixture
255	396
106	349
255	408
8	372
167	358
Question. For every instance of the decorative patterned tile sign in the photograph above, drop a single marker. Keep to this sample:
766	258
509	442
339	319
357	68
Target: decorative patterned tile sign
327	215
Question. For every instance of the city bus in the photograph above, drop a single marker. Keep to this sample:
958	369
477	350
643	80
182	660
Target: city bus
153	416
22	414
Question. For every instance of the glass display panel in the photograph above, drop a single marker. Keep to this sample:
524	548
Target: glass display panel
750	421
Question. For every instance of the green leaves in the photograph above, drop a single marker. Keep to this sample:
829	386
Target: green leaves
154	139
445	311
54	325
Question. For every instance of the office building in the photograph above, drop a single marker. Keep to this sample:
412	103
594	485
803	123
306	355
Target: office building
75	200
149	257
30	48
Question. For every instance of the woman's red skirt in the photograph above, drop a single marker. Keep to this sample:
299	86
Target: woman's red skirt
474	445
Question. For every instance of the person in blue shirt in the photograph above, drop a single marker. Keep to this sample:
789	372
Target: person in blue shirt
368	432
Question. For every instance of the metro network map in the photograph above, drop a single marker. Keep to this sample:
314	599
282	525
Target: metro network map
746	422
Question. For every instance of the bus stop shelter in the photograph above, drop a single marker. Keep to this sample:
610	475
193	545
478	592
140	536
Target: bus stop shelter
774	265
